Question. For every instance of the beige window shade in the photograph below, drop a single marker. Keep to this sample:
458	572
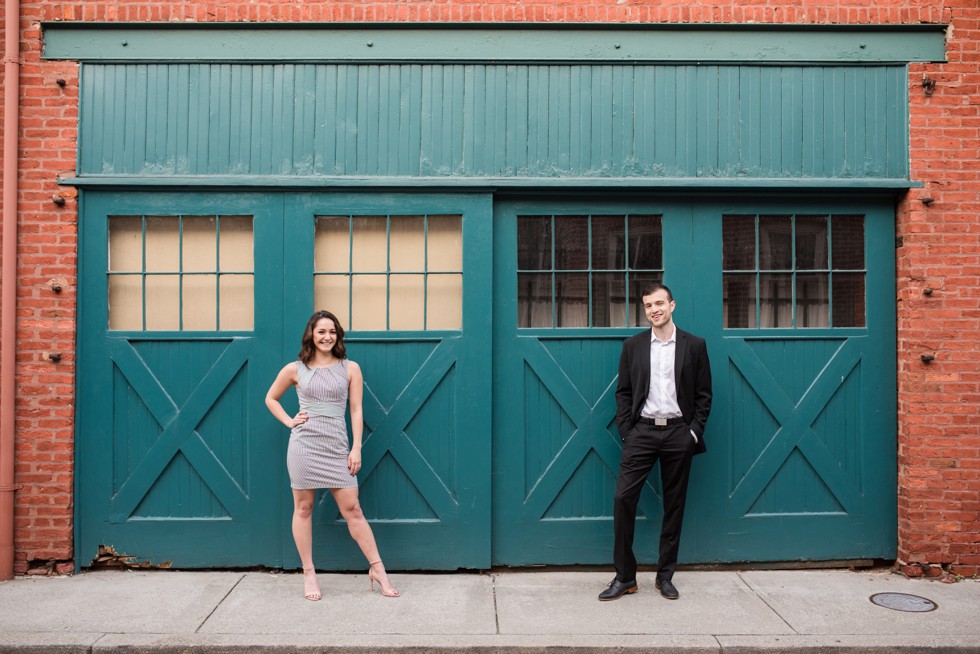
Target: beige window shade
181	273
390	272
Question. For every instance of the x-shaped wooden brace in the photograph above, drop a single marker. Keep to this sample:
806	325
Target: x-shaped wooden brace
590	433
795	429
178	424
388	429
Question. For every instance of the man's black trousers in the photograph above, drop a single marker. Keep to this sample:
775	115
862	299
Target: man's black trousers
644	445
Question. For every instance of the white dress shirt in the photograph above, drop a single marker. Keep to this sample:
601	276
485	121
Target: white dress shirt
661	400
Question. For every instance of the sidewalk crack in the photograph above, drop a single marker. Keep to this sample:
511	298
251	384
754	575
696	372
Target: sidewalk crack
763	599
493	590
208	617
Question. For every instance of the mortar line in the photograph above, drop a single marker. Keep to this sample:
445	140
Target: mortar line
220	602
763	599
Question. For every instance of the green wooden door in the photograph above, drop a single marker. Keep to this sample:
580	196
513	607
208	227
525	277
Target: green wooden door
176	460
190	304
801	438
800	321
408	276
566	279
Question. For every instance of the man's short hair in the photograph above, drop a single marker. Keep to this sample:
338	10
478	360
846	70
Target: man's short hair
653	287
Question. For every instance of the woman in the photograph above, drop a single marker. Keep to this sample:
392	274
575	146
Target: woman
319	455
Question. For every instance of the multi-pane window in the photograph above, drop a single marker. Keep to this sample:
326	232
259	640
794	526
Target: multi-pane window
390	272
181	273
793	271
586	270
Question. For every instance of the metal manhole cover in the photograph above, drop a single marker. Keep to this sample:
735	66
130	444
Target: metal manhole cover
904	602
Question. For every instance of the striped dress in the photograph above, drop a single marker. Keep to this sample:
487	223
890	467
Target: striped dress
318	448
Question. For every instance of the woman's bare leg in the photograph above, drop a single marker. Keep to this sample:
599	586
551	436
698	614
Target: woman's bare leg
303	535
360	531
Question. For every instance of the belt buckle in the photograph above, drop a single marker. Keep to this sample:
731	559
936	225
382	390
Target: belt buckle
660	422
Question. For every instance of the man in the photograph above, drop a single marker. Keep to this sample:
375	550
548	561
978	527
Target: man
662	402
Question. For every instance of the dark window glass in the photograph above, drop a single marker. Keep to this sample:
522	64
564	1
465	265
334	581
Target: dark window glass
739	300
848	242
571	243
599	267
608	242
811	243
646	243
795	281
775	243
534	243
738	243
849	300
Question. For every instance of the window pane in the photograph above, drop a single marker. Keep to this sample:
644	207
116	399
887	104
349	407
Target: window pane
572	299
608	242
571	243
812	300
370	244
776	300
237	301
163	302
236	250
534	242
775	243
445	243
444	308
332	245
849	306
848	242
408	240
534	300
608	300
738	242
162	244
200	248
646	243
126	245
330	293
811	243
368	303
639	282
126	302
406	302
739	299
200	302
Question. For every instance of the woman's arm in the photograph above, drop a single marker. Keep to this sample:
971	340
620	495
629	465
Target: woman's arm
355	395
287	377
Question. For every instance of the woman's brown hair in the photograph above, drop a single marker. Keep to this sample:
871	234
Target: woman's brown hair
307	351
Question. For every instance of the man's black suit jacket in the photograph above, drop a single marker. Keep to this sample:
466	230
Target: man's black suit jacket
692	377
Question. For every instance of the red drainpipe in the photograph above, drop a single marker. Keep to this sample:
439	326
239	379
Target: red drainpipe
8	301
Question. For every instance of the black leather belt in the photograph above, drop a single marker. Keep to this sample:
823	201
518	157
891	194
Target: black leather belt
661	422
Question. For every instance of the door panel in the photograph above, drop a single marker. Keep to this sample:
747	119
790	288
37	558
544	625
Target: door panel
556	446
425	481
801	438
175	462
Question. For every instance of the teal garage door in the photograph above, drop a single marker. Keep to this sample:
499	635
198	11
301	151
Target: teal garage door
794	300
189	305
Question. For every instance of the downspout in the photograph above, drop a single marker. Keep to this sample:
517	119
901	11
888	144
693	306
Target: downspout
8	301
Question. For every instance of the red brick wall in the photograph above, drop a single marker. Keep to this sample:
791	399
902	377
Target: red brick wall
938	403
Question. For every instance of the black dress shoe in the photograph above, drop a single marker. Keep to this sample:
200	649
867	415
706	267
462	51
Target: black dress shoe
617	589
667	589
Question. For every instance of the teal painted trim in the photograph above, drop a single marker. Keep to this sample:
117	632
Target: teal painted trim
120	42
456	184
554	122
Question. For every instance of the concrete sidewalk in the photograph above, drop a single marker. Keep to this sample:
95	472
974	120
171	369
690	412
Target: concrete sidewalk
719	611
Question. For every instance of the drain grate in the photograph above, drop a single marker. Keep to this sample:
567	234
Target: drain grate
904	602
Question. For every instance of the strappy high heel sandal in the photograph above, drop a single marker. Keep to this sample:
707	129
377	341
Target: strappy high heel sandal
312	595
391	592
